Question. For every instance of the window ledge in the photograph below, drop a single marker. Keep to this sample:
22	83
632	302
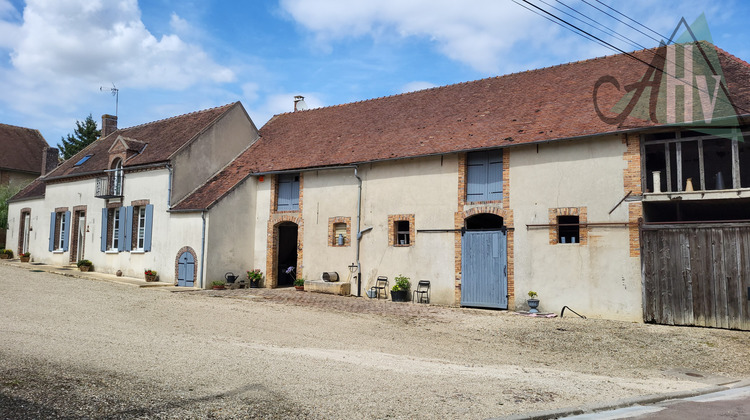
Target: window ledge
697	195
111	251
137	251
58	251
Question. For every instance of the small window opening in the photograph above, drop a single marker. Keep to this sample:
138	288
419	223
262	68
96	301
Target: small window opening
402	232
339	234
568	230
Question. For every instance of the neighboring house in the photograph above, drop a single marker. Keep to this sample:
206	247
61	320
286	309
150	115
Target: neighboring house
24	155
488	189
110	203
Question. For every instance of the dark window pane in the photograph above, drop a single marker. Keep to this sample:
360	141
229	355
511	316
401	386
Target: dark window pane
717	157
690	165
655	162
568	234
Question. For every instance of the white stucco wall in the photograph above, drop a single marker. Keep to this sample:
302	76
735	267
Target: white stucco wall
598	279
211	151
231	230
38	234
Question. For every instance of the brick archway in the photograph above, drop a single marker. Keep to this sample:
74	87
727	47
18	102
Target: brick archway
191	251
272	258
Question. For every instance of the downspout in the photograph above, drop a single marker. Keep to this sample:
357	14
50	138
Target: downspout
169	187
203	246
359	232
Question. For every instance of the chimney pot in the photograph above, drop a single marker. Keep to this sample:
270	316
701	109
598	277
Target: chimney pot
109	124
299	103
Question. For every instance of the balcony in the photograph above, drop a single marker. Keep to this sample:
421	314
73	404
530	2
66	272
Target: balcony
109	186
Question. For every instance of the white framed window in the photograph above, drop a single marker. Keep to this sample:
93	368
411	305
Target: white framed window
62	228
115	230
141	232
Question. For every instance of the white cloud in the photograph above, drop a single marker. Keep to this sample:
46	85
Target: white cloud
63	50
478	33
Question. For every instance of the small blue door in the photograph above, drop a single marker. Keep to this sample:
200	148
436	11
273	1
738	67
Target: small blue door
484	280
186	270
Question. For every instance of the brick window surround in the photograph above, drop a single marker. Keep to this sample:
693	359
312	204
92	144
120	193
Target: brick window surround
392	234
568	211
78	211
22	227
332	237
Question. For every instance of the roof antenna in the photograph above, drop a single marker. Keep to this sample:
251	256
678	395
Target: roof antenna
116	94
299	103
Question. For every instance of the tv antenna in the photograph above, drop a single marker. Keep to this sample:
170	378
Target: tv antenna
116	94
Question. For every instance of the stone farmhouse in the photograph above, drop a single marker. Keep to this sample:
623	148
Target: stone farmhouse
558	180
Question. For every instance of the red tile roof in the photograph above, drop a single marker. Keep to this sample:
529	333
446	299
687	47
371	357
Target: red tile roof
163	138
540	105
21	149
34	190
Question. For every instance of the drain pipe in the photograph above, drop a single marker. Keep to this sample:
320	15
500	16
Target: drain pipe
359	232
203	245
169	187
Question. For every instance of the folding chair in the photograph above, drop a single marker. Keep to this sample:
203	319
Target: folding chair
422	292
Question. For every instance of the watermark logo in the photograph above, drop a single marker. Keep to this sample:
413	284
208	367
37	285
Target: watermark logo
682	85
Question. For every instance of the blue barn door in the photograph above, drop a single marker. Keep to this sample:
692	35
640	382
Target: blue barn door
186	270
484	278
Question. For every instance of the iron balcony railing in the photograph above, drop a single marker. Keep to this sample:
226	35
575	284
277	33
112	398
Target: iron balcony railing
109	186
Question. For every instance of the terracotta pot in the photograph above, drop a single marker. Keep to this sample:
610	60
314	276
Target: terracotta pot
4	256
84	268
299	287
218	287
150	277
25	259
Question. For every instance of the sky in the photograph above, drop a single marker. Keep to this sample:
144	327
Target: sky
60	59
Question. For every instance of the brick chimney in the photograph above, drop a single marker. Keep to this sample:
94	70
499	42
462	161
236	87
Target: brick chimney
50	159
109	124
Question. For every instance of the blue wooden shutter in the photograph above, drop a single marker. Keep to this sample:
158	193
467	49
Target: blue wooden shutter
66	232
495	175
52	231
104	229
284	201
476	177
149	225
295	192
128	228
121	232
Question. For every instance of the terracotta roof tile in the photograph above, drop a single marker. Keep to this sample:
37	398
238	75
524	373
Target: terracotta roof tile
34	190
21	149
162	138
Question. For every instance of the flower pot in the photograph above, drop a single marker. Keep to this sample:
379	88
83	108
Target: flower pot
299	287
400	296
254	284
25	259
218	287
84	268
150	277
4	256
533	304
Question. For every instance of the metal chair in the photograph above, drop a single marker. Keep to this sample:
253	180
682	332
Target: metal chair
381	284
422	292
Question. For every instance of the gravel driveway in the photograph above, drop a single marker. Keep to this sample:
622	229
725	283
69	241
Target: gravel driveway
78	348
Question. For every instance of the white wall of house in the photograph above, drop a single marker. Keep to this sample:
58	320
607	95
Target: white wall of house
262	214
598	279
38	233
212	150
231	234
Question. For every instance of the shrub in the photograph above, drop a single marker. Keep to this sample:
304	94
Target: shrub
402	284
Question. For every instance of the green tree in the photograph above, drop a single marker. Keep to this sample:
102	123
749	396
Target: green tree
85	133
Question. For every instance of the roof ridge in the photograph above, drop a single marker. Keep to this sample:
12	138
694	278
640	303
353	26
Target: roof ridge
467	82
178	116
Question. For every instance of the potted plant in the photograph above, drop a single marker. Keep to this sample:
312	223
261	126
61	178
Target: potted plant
299	284
400	290
84	265
6	254
25	257
150	275
255	276
218	284
533	302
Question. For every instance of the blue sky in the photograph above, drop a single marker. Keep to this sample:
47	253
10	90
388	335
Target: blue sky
169	57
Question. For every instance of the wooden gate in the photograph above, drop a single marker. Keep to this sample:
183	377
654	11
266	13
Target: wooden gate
484	281
697	274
